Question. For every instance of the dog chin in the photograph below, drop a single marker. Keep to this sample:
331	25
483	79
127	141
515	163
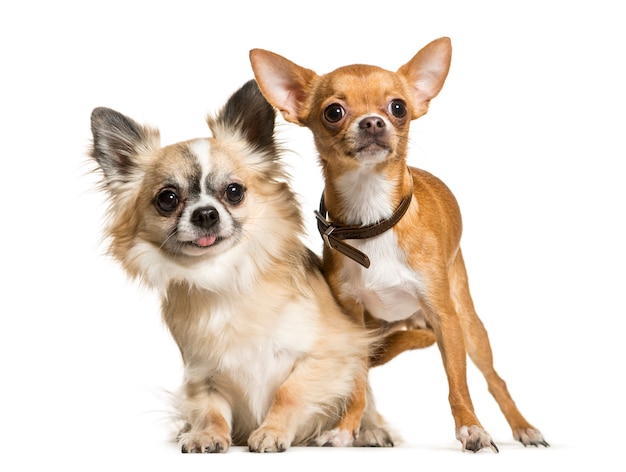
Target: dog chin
372	154
158	267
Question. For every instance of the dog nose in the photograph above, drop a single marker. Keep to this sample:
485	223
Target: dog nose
372	124
205	217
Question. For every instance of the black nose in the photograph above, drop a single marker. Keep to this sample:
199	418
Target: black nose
205	217
372	124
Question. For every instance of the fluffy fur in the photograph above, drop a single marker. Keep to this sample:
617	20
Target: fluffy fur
270	359
359	116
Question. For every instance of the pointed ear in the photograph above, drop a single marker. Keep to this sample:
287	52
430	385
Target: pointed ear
117	141
284	84
248	113
427	72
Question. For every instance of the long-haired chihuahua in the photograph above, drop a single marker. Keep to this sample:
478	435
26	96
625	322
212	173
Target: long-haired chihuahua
212	224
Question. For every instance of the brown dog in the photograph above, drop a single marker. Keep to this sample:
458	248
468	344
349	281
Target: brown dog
403	221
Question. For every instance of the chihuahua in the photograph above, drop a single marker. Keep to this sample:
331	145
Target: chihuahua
270	358
402	221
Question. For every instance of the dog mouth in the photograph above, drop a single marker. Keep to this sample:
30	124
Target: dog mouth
372	147
205	241
370	143
201	245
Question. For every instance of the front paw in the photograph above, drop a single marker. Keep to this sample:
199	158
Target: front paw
203	441
266	439
474	438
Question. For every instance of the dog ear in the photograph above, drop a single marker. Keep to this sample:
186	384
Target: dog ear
117	141
247	112
283	83
426	72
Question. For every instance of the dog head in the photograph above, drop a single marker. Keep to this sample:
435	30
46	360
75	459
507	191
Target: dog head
359	114
197	210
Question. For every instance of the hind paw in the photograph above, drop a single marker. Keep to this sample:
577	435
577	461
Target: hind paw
373	436
530	437
334	438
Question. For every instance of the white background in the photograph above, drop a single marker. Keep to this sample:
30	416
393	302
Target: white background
528	132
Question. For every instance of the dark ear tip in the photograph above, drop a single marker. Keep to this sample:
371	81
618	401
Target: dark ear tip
97	114
249	112
100	116
250	84
100	111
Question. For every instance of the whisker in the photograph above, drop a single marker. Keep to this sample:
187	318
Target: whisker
170	236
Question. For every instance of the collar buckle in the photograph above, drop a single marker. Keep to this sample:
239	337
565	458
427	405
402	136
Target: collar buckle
335	234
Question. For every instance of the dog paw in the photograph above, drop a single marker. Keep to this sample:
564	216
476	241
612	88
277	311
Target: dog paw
373	436
267	439
530	437
203	441
334	438
474	438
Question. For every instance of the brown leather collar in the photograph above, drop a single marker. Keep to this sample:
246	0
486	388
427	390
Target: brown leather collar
334	233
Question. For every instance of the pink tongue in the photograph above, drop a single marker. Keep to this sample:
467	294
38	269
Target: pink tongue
206	240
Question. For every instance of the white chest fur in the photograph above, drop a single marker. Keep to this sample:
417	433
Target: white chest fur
389	288
257	371
249	352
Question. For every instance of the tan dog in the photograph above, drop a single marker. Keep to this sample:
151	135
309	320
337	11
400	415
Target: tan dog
403	221
270	358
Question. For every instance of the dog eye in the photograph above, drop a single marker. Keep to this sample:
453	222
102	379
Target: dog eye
167	200
234	193
334	112
398	108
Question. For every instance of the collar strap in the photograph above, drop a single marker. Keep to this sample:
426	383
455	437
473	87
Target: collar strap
334	234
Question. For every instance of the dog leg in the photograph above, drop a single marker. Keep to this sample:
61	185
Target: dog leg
398	336
360	423
440	313
374	431
312	390
208	422
399	341
347	429
479	350
277	431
